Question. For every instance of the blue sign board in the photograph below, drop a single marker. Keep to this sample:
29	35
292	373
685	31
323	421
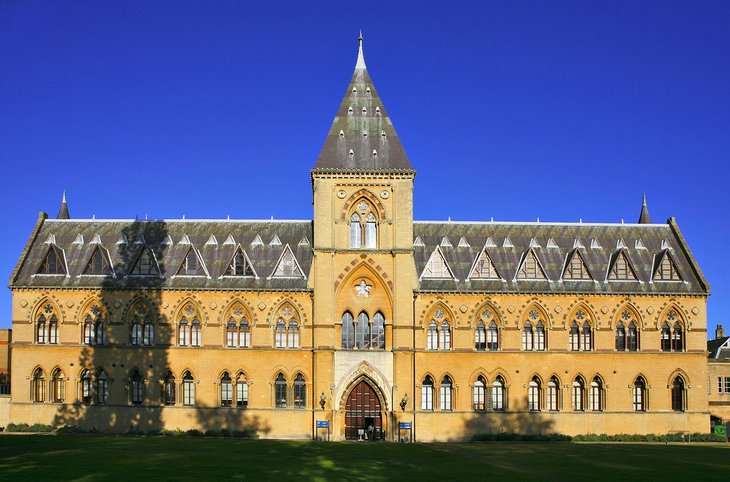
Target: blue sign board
408	425
323	424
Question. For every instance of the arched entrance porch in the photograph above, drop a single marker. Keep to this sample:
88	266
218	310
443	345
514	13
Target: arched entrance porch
364	417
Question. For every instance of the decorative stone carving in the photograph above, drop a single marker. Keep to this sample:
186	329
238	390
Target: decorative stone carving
511	308
604	309
363	206
165	304
695	311
341	194
262	306
213	305
23	303
384	194
558	309
650	310
363	289
463	308
69	303
117	304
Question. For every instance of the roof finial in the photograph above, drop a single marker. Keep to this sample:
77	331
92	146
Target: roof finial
360	57
63	212
644	215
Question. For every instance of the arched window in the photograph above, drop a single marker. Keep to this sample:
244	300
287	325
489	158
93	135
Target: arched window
540	341
88	330
639	393
432	337
578	394
633	337
182	328
293	335
362	331
666	337
445	336
231	334
38	386
40	329
300	392
148	333
226	390
596	397
195	332
280	391
677	337
142	330
58	388
53	330
499	401
427	394
188	386
348	331
553	400
244	334
527	337
280	334
493	337
574	337
620	337
480	337
168	389
189	326
586	337
136	332
370	231
136	388
478	395
86	392
355	231
445	394
678	395
94	330
241	391
102	387
378	334
534	394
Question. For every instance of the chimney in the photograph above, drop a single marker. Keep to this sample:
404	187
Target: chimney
719	332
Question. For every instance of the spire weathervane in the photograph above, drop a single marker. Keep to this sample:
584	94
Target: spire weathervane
360	57
644	215
63	212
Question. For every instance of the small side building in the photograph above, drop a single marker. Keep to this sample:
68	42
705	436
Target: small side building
5	339
718	371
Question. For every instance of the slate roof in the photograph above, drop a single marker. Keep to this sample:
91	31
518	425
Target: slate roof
362	126
719	348
654	237
68	235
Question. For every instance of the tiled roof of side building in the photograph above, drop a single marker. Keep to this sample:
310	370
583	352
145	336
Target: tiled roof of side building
362	136
124	239
719	348
553	243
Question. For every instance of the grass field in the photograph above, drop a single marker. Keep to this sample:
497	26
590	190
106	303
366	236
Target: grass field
101	457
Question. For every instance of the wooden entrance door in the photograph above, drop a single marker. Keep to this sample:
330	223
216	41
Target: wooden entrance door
362	412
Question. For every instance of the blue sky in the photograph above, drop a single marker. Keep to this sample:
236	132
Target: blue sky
511	110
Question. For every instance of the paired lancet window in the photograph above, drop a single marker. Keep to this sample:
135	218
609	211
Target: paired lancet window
46	328
672	336
238	330
627	332
581	334
231	390
533	333
438	335
486	335
363	227
286	331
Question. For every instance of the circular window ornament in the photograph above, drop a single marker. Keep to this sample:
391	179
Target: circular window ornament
341	194
384	194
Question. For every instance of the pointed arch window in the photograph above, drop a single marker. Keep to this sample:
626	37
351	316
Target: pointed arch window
241	391
168	389
195	332
499	398
493	336
478	394
238	330
53	330
188	387
293	334
240	265
355	231
633	337
141	327
596	395
445	336
136	388
578	395
38	386
574	336
534	394
527	337
362	331
432	337
480	337
231	334
300	392
46	329
280	391
378	332
677	337
679	402
40	329
348	331
540	337
666	337
182	328
586	337
86	392
427	394
280	334
102	387
370	231
58	386
364	227
553	395
627	332
286	331
639	395
54	262
226	390
98	264
445	394
620	337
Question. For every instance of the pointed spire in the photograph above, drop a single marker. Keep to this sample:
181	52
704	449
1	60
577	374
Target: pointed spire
360	65
63	212
644	216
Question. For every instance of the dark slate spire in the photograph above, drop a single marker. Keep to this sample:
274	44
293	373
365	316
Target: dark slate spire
362	137
63	212
644	216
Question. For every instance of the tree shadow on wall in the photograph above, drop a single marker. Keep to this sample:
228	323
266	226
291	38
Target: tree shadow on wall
116	385
518	422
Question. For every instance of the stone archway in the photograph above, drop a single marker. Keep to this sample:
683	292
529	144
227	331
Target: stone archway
364	416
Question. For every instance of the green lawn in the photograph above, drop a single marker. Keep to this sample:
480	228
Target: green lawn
102	457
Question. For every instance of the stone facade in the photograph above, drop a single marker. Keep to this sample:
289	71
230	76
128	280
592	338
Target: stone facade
311	295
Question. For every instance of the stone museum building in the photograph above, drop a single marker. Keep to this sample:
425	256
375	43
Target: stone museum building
383	326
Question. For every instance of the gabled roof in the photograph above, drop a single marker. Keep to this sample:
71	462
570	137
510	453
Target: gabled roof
719	348
362	136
